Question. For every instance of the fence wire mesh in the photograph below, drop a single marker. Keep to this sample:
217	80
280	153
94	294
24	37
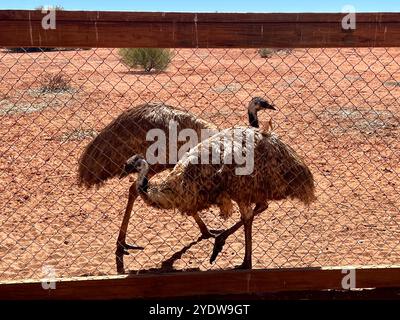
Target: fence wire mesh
338	108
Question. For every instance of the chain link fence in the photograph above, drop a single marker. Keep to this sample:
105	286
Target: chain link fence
338	108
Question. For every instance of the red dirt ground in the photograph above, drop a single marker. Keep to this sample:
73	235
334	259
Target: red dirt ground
338	108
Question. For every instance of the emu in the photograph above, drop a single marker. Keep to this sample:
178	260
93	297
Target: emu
279	173
104	157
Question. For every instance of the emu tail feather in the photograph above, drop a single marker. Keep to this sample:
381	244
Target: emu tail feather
104	157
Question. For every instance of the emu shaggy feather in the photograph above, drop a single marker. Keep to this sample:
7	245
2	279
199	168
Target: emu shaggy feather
105	156
279	173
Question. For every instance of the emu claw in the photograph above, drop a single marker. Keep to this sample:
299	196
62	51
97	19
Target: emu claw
123	247
218	246
132	247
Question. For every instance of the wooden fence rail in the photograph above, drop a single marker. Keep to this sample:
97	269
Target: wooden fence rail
181	284
197	30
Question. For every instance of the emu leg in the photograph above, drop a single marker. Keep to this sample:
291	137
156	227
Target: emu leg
221	238
205	233
122	246
247	216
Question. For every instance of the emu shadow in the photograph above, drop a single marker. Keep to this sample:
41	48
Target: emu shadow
168	264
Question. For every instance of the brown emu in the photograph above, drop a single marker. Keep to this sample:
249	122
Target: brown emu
278	173
104	157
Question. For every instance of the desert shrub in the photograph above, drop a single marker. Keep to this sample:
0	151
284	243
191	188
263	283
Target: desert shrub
57	7
265	52
78	134
392	83
146	58
55	83
268	52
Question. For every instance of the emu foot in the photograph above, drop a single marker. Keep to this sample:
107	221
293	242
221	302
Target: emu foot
218	246
122	247
244	266
127	246
119	261
120	265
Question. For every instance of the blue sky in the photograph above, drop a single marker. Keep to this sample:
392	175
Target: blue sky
211	5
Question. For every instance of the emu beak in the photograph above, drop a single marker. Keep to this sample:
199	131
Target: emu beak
266	105
269	106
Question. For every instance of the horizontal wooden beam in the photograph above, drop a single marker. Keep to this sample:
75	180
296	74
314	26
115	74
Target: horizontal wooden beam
197	30
182	284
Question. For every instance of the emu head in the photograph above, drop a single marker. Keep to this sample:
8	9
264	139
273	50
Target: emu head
134	164
256	104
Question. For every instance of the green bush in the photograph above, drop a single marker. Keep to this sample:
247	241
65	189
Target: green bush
146	58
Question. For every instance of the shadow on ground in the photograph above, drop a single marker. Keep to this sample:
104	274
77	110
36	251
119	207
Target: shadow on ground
167	265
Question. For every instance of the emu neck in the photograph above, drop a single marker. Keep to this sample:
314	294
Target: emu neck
253	119
153	195
142	183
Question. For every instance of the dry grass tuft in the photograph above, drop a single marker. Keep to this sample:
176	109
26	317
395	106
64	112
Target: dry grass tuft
55	83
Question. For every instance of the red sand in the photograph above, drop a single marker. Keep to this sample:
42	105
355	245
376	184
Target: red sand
337	108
